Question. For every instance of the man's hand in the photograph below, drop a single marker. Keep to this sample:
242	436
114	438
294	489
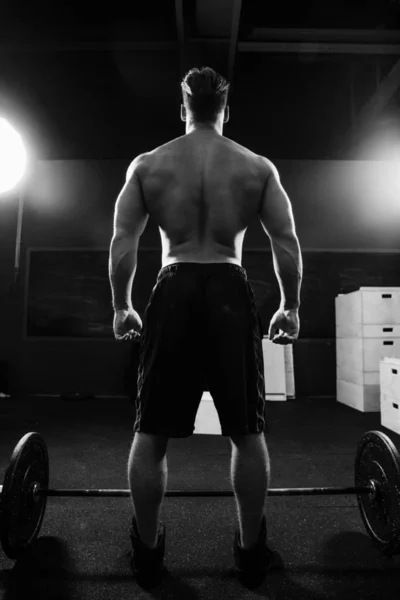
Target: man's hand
127	325
286	322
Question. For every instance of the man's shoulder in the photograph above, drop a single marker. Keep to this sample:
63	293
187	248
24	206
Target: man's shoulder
135	165
267	166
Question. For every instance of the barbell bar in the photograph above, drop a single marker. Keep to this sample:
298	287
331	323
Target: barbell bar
25	491
312	491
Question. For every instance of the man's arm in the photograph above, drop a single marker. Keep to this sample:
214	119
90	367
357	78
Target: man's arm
276	217
130	220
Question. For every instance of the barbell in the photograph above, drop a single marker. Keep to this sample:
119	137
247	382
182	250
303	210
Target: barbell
23	496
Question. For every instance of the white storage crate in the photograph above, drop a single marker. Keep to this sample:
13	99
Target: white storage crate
390	393
367	331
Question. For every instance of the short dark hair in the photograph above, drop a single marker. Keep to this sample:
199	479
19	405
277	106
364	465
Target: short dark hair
205	94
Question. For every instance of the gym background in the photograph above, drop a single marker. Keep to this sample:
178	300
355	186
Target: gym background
317	93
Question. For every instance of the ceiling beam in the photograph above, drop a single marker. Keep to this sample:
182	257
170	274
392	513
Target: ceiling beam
220	25
362	36
318	48
180	28
322	41
233	44
219	20
259	47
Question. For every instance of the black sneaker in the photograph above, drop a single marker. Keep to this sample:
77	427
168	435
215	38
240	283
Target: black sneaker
253	564
147	564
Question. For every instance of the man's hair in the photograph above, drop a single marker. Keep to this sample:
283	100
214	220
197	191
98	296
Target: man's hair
205	94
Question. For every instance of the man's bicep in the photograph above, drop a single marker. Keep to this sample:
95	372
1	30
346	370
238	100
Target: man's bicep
130	216
275	214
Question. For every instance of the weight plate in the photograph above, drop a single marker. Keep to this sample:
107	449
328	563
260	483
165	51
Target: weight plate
22	515
377	459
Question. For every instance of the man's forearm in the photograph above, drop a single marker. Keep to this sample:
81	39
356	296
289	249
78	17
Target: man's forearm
288	267
122	270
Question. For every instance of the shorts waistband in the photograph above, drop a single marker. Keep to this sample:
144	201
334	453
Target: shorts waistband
207	267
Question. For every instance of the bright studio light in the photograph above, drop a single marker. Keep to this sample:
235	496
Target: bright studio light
13	157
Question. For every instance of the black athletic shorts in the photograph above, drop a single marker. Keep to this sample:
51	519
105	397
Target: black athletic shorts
201	330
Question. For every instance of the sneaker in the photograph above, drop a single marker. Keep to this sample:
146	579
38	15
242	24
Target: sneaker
254	563
147	564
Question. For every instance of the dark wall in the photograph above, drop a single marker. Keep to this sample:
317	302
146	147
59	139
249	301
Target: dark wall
57	323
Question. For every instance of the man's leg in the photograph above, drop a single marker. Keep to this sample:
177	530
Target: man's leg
147	475
250	475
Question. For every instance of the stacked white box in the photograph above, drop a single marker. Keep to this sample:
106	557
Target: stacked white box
367	330
390	393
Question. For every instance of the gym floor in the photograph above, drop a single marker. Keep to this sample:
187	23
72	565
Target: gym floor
83	548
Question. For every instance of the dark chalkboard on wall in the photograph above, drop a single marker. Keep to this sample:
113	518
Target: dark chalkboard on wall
68	291
69	294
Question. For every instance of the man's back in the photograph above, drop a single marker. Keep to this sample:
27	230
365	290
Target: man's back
203	190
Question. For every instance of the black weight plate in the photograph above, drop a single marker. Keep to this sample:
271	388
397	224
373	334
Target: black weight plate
22	514
377	459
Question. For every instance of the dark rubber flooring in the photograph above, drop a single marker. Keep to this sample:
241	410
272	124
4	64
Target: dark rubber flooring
83	548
